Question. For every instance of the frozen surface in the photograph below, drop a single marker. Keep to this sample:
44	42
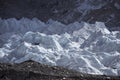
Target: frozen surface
87	5
88	48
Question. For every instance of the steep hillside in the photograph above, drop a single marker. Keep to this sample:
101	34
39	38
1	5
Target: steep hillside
66	11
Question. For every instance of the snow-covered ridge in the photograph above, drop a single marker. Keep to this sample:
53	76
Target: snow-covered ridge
88	48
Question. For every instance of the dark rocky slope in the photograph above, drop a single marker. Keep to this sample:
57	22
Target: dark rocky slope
42	9
62	10
31	70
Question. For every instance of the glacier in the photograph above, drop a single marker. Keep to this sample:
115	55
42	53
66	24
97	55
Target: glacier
84	47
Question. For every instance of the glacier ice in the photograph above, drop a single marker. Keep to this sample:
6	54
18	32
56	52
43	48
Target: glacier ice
88	48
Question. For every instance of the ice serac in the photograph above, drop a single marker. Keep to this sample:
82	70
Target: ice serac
88	48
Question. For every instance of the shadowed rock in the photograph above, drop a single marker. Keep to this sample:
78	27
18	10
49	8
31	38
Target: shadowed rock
31	70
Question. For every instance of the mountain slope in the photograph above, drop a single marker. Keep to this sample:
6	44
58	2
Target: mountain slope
66	11
31	70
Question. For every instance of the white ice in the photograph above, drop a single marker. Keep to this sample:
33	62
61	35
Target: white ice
88	48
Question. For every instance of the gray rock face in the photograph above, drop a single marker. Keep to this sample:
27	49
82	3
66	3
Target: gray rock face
66	11
42	9
31	70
